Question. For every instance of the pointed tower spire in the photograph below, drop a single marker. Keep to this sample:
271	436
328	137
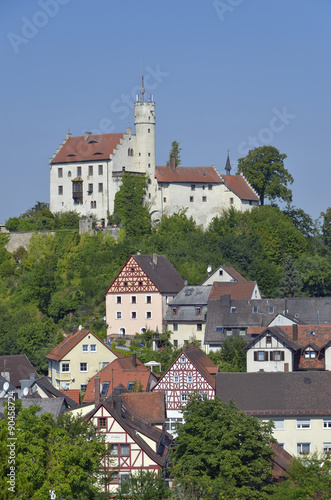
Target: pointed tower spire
228	165
143	90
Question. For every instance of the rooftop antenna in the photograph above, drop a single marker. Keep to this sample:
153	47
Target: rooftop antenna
143	90
228	164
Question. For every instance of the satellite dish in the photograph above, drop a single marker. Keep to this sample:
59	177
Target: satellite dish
5	386
25	391
209	269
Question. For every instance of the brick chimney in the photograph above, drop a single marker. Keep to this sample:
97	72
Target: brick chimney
154	258
134	359
173	163
97	389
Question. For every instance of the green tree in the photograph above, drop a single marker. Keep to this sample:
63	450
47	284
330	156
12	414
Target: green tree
326	227
264	168
309	477
129	205
221	453
143	485
302	221
175	151
315	272
291	282
63	456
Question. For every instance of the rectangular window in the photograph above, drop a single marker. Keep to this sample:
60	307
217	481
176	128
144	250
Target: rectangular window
204	198
192	187
60	190
118	314
100	187
277	356
176	379
233	310
164	200
210	187
271	309
219	329
268	340
279	424
303	448
182	359
255	309
100	169
191	199
83	387
231	201
175	344
83	367
189	379
175	327
101	423
133	315
104	389
60	172
93	348
199	327
65	368
85	347
148	299
198	310
113	450
90	170
229	332
118	299
79	171
310	354
124	450
148	314
90	188
326	447
174	311
261	356
133	299
242	332
326	423
303	423
124	476
184	398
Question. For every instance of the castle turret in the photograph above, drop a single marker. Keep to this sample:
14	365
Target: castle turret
144	122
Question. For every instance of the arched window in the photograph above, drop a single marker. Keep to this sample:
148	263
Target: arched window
122	332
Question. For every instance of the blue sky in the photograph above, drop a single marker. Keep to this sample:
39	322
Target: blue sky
225	75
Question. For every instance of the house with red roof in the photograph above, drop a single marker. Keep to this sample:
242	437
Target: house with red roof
191	373
77	358
86	172
137	298
133	426
128	371
289	348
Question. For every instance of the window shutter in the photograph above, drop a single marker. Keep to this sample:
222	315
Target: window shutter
282	355
265	355
255	356
271	355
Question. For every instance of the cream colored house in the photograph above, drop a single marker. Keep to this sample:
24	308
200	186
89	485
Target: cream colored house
298	404
78	358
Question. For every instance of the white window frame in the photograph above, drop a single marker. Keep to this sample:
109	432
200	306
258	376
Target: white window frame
118	314
300	445
303	423
184	397
118	299
327	447
132	313
133	299
62	366
94	346
327	423
85	347
176	379
148	313
279	424
189	379
146	299
80	366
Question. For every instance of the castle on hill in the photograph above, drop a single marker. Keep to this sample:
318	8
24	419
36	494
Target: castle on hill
86	173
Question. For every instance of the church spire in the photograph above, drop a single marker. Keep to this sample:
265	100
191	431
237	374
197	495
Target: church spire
228	165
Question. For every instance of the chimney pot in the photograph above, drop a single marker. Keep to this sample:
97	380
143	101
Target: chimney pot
97	389
154	259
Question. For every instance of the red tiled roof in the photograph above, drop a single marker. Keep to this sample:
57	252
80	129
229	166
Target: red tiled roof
120	371
188	174
239	186
204	364
73	394
96	147
70	342
235	275
151	409
241	290
320	337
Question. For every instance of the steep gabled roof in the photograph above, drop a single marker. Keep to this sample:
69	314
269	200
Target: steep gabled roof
71	341
237	291
239	186
278	332
153	413
281	393
54	406
315	336
162	274
231	270
18	366
96	147
188	174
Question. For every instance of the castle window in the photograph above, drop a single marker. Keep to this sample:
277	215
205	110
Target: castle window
100	169
149	130
69	173
149	165
231	201
164	200
210	187
123	169
149	154
149	181
191	199
77	191
79	171
100	189
192	187
199	327
60	172
60	190
204	198
90	188
90	170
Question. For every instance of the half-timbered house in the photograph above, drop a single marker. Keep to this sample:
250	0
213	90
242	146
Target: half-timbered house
192	372
134	432
137	298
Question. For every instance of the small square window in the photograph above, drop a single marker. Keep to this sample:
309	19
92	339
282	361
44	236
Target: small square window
83	367
133	299
65	368
60	190
199	327
303	448
271	309
184	398
219	329
102	423
85	347
192	187
100	169
133	315
148	299
148	315
327	448
191	199
93	348
100	187
182	359
83	387
204	198
189	379
198	310
233	310
175	327
124	450
254	309
176	379
326	423
174	311
90	170
118	299
210	187
229	332
242	332
118	314
60	172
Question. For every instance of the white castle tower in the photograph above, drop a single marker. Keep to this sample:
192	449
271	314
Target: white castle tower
144	151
